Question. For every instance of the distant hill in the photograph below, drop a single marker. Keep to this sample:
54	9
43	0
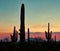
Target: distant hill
56	32
36	39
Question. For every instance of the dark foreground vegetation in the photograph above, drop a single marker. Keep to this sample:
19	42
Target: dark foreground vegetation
32	46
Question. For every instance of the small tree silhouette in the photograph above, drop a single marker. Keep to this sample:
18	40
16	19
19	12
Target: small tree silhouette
14	37
48	34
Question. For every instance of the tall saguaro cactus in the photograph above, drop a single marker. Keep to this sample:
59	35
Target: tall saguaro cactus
14	37
48	34
22	25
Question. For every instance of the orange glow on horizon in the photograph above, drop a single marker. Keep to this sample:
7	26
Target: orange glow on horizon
32	29
43	28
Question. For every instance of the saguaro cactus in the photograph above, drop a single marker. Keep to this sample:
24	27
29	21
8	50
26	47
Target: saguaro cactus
48	34
22	25
14	37
28	35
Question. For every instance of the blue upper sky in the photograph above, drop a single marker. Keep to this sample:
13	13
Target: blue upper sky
37	14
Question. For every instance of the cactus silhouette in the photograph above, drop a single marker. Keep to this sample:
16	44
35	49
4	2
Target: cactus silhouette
48	34
14	37
55	38
28	36
22	25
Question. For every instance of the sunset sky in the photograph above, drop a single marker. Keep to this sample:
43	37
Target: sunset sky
37	15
